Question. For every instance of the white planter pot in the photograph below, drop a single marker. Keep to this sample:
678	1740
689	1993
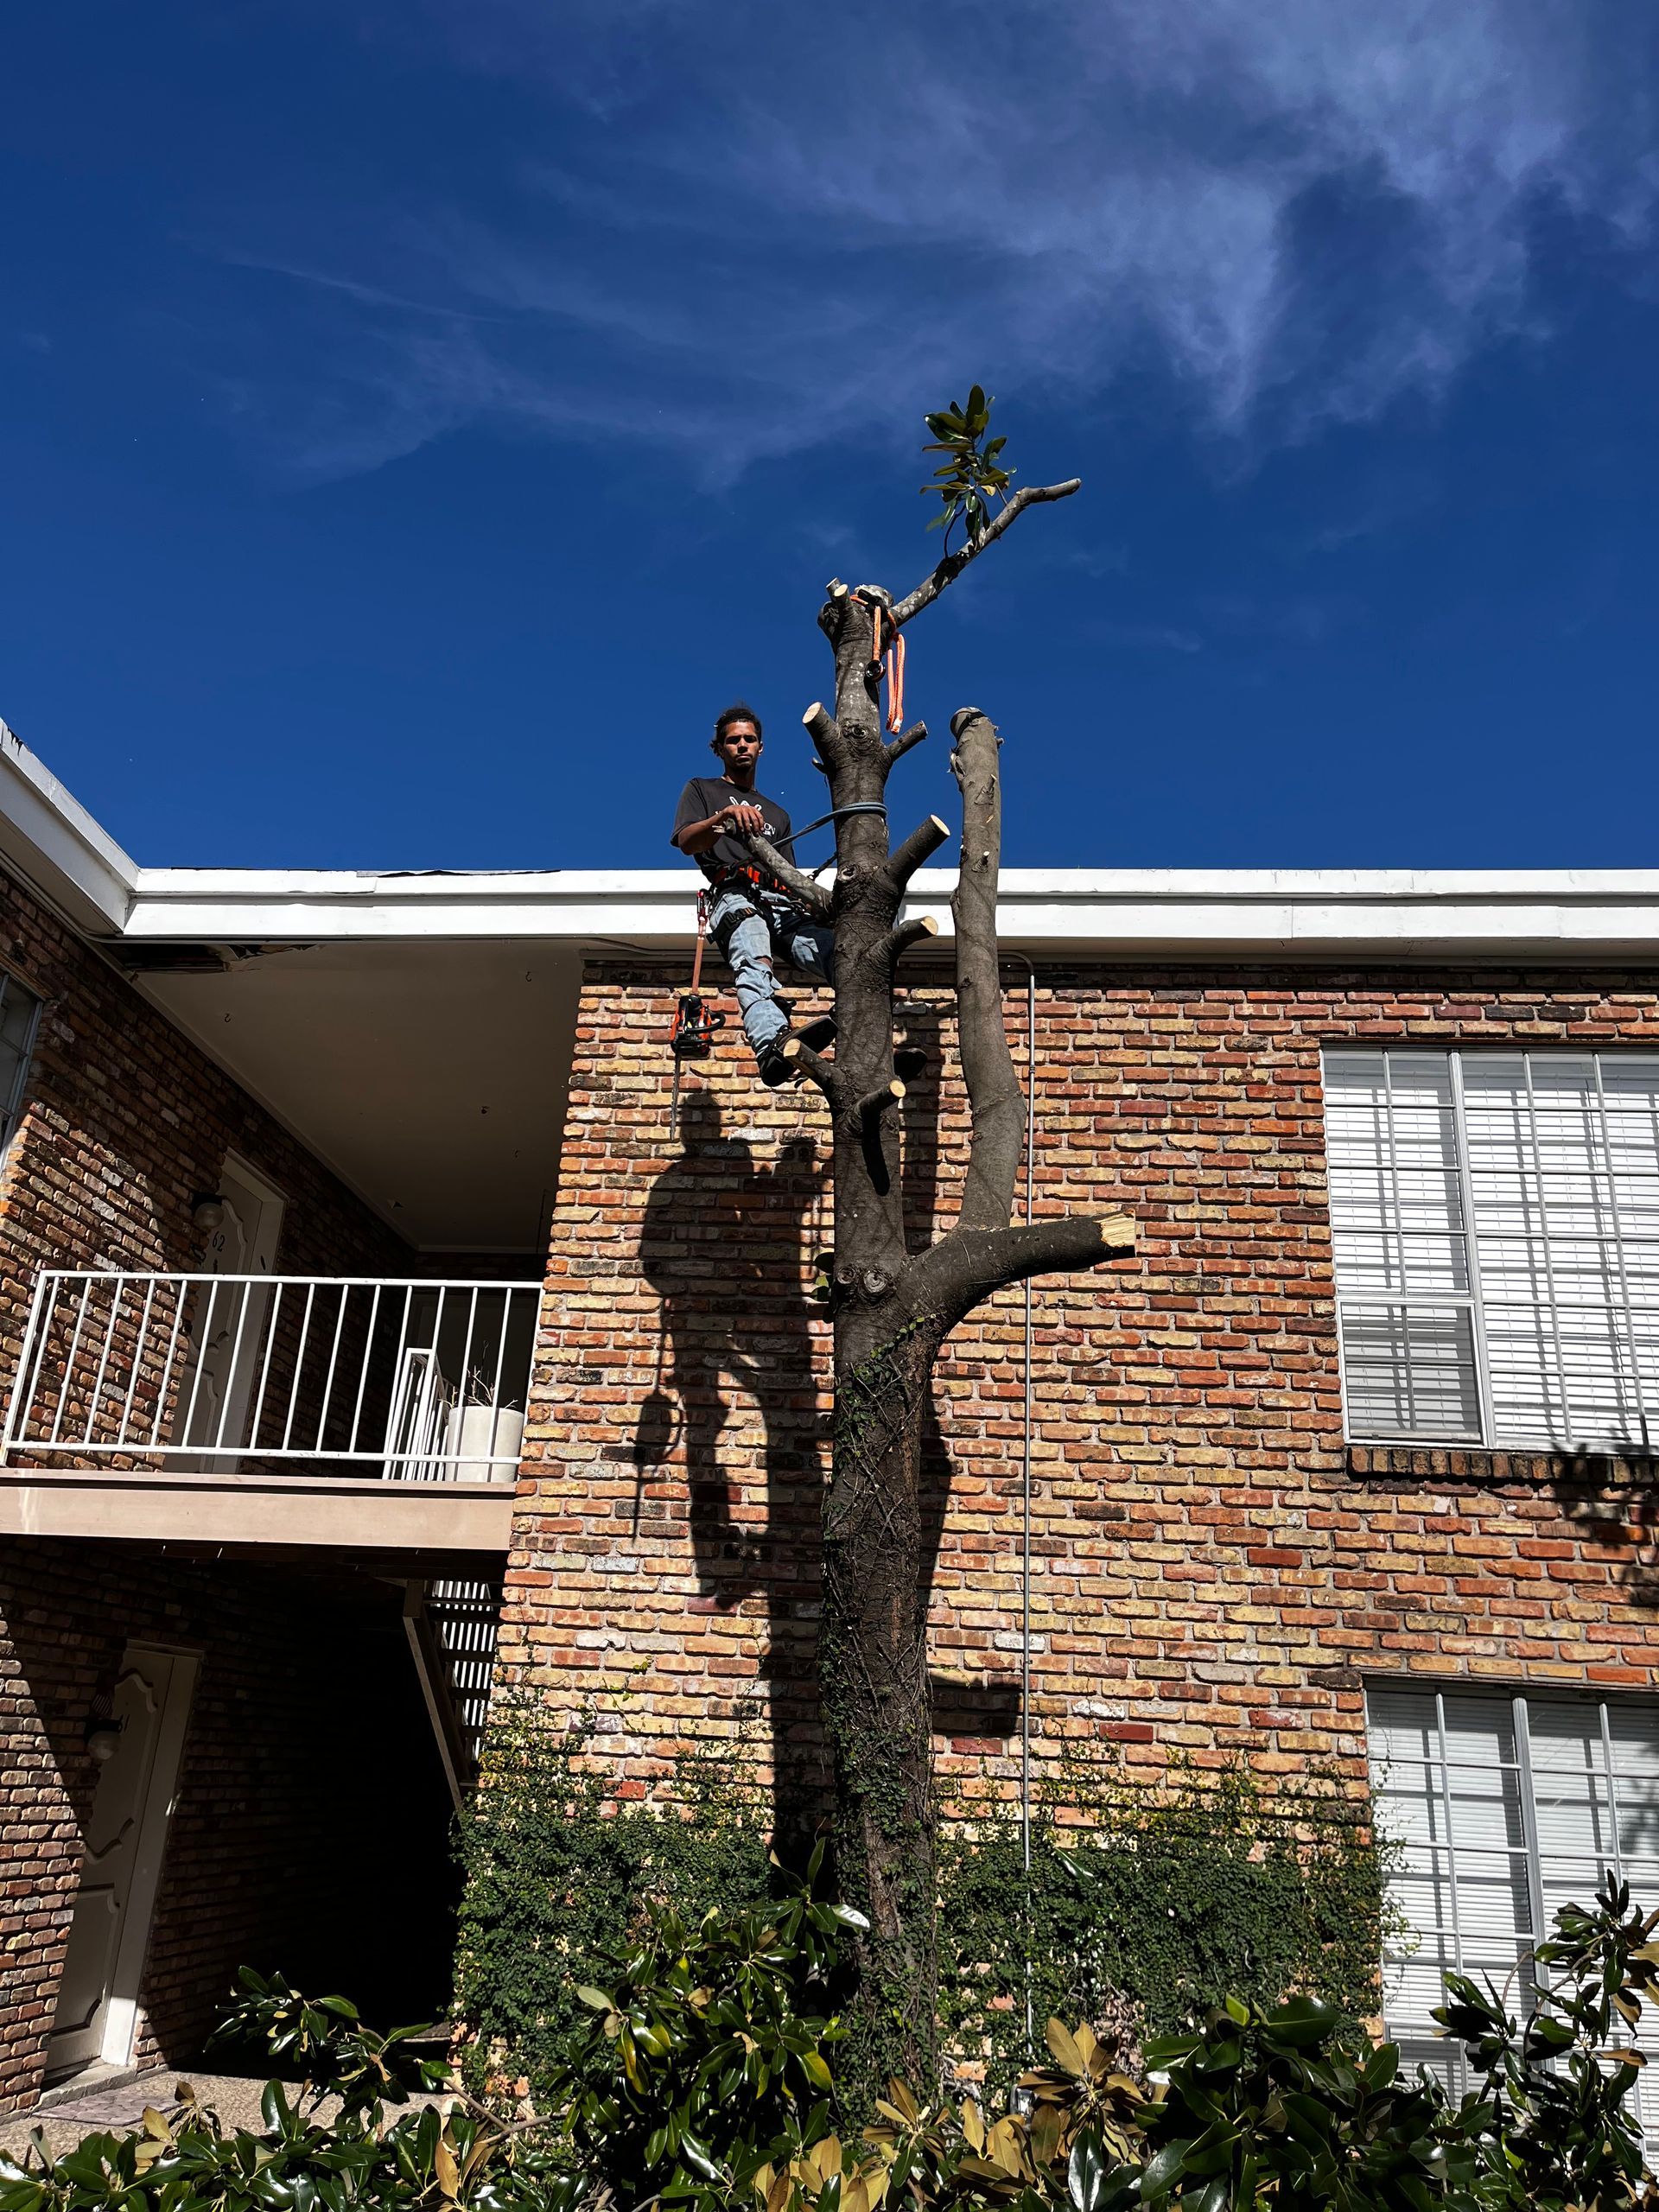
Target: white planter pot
480	1433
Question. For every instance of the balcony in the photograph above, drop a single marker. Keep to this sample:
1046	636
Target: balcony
284	1409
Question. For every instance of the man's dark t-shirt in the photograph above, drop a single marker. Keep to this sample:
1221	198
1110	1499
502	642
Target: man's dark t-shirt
707	795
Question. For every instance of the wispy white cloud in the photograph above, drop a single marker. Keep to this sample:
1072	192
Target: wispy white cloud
751	228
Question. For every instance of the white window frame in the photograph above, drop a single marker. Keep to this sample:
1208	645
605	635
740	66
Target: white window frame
1470	1300
1440	1858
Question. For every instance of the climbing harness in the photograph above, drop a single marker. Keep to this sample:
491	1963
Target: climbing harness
895	663
756	878
691	1035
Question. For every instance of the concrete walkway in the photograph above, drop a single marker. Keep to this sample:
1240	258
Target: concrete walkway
119	2108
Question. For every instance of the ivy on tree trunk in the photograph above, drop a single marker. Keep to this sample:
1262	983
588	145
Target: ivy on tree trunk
893	1310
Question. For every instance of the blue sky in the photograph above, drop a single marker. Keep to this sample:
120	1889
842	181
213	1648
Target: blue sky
417	419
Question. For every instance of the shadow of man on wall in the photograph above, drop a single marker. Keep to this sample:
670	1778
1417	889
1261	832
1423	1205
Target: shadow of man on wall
723	1246
1612	1506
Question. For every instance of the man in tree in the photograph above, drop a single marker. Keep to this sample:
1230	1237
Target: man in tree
751	917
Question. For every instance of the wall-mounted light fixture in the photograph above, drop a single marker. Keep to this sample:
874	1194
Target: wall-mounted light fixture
102	1731
207	1212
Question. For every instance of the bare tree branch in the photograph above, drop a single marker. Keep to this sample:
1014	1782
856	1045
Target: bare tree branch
922	841
963	1269
887	951
996	1102
902	743
804	889
953	564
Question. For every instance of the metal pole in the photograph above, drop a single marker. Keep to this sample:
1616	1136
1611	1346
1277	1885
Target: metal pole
1025	1492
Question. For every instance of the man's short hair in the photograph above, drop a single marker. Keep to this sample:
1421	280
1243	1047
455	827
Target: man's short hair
738	711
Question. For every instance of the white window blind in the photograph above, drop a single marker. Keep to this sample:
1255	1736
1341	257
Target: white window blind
1496	1223
1501	1810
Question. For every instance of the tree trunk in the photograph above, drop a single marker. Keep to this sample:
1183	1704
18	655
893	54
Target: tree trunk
892	1313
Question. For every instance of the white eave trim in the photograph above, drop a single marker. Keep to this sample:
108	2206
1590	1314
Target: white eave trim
1592	914
1582	915
49	838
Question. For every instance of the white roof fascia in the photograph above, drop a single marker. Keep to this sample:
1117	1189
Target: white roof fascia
54	843
1590	914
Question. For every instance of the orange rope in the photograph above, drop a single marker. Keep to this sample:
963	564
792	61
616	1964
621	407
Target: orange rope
895	671
702	932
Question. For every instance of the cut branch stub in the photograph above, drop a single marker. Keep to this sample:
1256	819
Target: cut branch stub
874	1104
922	842
891	948
820	725
822	1071
902	743
963	1269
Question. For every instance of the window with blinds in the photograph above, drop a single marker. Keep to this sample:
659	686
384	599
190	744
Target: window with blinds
1496	1223
20	1011
1501	1810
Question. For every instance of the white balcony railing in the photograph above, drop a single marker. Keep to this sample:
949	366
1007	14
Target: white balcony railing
410	1382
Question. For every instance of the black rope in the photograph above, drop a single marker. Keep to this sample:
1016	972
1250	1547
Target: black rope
859	806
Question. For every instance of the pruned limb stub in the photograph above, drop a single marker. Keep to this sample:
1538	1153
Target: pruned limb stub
887	952
923	841
964	1268
822	1071
874	1104
821	727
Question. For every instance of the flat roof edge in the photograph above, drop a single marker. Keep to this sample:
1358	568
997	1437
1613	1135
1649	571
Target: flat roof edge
1574	914
420	886
50	839
1196	927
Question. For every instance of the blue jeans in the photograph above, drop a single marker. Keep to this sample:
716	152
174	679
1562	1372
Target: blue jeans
753	928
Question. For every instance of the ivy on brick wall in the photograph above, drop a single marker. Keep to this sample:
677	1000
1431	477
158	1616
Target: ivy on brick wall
552	1878
1145	1908
1140	1905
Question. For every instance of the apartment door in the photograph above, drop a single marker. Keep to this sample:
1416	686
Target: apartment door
122	1850
229	1318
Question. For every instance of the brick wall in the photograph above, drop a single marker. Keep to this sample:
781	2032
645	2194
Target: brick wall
124	1122
310	1831
1212	1569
